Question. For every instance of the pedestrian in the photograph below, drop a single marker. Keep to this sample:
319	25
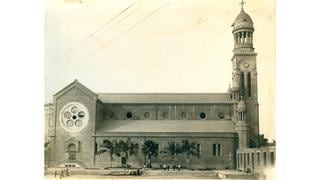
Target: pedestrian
248	170
55	173
67	172
179	167
168	167
61	174
164	167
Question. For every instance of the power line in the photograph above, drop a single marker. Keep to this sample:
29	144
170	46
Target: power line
112	26
101	27
96	17
113	18
124	32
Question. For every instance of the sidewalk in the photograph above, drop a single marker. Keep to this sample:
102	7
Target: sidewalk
120	174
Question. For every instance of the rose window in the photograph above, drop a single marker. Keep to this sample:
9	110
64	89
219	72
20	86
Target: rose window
74	117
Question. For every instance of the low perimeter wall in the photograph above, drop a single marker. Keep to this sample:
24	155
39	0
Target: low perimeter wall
256	159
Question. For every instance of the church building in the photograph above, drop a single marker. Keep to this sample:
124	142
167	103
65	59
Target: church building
219	124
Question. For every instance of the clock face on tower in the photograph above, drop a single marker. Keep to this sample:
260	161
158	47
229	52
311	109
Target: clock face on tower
246	65
74	117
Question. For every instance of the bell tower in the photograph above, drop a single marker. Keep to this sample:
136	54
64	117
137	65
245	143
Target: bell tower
244	73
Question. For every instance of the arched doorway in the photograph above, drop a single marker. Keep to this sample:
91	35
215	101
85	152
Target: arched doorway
72	152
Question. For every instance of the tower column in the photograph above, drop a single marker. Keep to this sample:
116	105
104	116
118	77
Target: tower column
242	131
247	124
254	86
242	125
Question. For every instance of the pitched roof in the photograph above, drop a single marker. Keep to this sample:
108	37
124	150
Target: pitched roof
166	126
77	84
164	98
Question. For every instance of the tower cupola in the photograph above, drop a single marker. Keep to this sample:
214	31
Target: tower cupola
241	106
229	90
235	87
243	30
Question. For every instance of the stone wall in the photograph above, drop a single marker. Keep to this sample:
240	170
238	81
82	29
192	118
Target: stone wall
256	159
206	160
48	120
83	139
167	111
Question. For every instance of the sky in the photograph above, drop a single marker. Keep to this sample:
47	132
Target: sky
158	46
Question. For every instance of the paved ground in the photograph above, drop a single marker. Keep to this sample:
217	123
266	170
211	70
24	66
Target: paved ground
154	174
76	177
150	174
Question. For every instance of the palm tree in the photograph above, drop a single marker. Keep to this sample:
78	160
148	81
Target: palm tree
126	148
172	150
109	146
149	149
189	149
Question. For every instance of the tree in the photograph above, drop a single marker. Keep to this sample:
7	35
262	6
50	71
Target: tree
126	148
109	146
189	149
172	151
149	149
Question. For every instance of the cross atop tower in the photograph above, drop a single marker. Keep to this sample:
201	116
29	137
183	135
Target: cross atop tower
242	3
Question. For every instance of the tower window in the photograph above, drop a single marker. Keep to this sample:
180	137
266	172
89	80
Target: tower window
249	84
242	84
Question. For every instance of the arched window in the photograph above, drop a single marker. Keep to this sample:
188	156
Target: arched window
242	84
95	148
72	150
249	84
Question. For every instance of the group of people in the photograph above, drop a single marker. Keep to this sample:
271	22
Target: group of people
167	167
63	173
